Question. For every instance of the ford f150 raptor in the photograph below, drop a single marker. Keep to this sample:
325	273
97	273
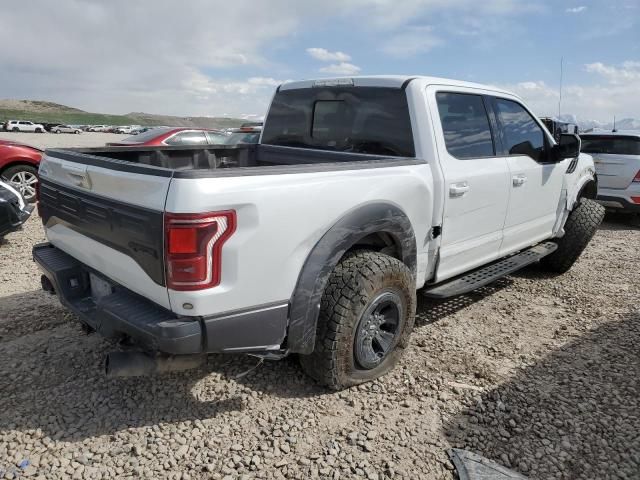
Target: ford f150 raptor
315	241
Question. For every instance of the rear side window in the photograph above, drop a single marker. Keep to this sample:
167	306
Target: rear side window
216	138
521	134
465	125
613	144
368	120
187	138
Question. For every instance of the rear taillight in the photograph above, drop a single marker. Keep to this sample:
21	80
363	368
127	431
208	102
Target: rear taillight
637	177
193	248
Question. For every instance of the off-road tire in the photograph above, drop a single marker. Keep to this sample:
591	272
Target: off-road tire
356	281
581	225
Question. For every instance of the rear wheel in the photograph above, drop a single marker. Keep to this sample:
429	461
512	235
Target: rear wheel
366	317
57	131
580	227
38	130
24	179
15	129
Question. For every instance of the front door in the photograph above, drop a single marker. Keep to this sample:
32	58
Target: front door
535	184
476	181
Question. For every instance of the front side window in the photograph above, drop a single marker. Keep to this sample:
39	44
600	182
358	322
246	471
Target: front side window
187	138
521	135
465	125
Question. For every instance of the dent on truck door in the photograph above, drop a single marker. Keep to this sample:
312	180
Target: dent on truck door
475	189
535	186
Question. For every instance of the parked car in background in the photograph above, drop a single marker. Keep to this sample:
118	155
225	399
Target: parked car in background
98	128
24	126
361	191
557	128
616	156
173	136
19	166
126	129
65	129
48	126
14	210
139	130
244	135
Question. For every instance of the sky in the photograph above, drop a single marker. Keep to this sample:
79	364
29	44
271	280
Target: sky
212	58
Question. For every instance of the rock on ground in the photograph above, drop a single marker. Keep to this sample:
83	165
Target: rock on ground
536	372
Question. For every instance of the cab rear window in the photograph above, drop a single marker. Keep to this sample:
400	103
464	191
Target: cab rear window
371	120
612	144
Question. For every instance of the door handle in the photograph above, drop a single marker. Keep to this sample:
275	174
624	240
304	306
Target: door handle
519	180
458	189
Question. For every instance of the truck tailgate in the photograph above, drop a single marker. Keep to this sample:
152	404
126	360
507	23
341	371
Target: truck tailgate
109	219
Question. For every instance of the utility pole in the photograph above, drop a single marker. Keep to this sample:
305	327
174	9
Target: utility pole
560	97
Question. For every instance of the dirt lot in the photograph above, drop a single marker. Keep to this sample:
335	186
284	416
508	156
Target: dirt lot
539	373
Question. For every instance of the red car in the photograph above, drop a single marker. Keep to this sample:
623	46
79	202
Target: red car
19	166
173	137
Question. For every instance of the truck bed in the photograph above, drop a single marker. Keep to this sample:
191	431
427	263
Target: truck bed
218	159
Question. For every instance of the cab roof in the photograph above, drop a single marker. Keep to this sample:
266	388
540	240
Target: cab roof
389	81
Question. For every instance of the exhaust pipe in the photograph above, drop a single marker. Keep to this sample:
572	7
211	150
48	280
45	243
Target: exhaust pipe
47	286
139	364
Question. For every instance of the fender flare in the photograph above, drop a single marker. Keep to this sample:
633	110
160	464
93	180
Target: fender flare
371	218
586	184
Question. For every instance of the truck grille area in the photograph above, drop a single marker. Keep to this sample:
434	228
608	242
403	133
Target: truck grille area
134	231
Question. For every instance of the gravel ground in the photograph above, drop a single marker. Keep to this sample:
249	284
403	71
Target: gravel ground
53	140
539	373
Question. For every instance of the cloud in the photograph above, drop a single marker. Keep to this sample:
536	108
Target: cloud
342	68
325	55
579	9
626	72
618	95
122	56
391	14
413	41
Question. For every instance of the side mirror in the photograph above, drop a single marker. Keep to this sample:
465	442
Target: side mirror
567	147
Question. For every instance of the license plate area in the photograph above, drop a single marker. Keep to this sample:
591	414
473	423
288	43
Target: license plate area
99	287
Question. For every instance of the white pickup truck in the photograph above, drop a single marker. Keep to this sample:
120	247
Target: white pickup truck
361	192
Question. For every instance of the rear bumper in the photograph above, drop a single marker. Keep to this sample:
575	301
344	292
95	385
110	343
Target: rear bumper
123	313
619	203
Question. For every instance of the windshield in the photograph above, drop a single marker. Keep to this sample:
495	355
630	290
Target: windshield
371	120
612	144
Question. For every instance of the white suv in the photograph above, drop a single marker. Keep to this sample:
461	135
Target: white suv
616	156
23	126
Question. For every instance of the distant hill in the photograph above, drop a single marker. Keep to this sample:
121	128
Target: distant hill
50	112
586	125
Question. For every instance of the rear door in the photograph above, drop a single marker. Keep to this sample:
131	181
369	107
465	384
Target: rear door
616	158
476	180
535	185
109	215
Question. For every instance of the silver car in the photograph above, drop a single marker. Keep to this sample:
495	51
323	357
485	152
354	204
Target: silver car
616	156
65	129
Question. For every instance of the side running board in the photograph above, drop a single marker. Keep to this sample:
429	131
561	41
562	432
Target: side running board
490	273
